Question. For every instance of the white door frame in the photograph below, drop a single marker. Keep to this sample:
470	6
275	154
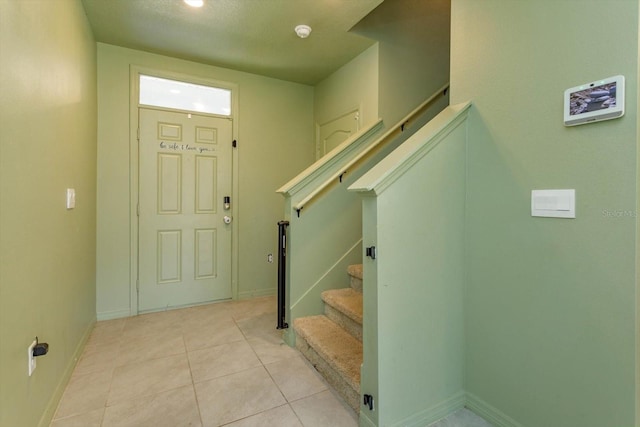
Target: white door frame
134	75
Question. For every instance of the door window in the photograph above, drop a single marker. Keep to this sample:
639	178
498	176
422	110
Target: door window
159	92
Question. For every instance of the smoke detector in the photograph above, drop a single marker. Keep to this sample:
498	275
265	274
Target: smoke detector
303	31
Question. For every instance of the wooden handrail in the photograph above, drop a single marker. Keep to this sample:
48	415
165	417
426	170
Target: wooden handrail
333	156
398	128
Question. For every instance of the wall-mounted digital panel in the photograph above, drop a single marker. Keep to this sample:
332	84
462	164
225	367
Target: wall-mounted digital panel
595	101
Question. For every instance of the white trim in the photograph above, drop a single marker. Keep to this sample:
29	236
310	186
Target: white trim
258	293
336	266
134	72
72	362
365	421
489	413
434	413
115	314
394	165
331	159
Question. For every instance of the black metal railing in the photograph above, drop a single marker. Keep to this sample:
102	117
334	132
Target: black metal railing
282	278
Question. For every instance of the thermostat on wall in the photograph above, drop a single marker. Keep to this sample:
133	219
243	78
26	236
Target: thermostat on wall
595	101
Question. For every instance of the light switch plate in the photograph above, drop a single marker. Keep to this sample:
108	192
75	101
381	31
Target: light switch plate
71	198
553	203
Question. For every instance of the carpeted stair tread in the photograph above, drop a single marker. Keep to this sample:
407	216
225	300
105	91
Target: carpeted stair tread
355	270
347	300
336	346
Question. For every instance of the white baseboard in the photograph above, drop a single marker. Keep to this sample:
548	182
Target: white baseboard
449	406
51	407
258	293
434	413
116	314
489	413
365	421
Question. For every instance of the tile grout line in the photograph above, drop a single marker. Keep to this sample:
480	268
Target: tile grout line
144	396
113	369
264	366
73	374
288	403
254	329
193	383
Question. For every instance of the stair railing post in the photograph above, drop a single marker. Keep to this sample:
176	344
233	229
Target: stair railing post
282	279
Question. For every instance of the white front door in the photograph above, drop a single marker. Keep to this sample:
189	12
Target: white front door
184	247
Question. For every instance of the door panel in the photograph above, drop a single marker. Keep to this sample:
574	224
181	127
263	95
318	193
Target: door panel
169	183
336	131
184	245
205	253
169	256
206	171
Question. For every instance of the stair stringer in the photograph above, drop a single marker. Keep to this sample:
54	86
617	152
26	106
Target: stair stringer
310	302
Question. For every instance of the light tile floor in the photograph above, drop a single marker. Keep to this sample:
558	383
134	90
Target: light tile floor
212	365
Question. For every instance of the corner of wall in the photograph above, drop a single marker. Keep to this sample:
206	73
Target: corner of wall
638	235
353	86
489	413
50	410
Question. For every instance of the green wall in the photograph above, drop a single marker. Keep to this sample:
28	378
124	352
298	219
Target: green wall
47	253
413	38
275	141
550	304
353	86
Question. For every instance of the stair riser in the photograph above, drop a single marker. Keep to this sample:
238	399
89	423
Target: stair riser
356	283
351	396
355	272
348	324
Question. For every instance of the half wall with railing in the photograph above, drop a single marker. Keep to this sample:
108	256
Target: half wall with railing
413	320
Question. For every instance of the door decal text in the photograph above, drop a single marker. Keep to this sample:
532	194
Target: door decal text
183	147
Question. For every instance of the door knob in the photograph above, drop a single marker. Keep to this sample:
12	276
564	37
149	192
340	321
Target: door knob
227	219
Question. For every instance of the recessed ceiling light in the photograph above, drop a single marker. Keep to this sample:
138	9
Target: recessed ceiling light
303	31
194	3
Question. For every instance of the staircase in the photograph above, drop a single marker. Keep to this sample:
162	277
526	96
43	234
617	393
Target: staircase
333	342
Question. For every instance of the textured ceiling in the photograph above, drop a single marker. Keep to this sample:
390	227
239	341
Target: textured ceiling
248	35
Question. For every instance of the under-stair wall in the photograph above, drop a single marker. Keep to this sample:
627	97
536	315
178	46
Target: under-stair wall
413	321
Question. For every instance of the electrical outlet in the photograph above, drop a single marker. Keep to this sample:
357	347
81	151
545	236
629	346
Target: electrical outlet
270	258
31	361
